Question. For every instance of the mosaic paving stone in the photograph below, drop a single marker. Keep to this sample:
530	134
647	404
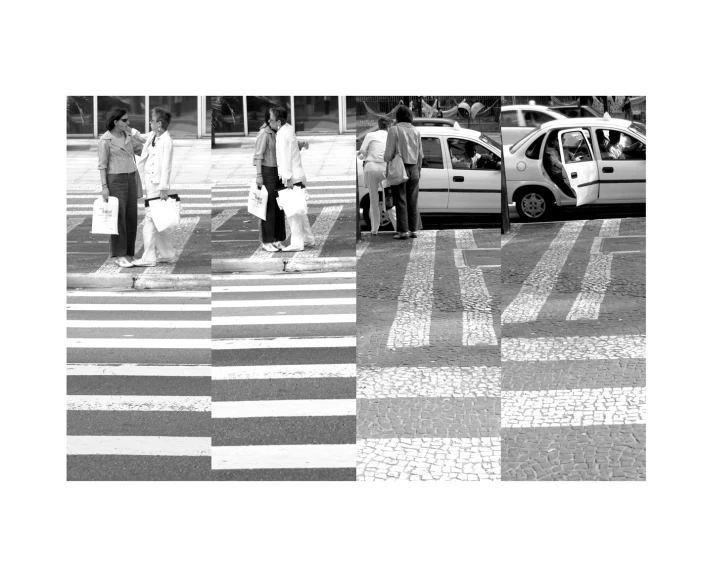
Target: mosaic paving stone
573	348
394	382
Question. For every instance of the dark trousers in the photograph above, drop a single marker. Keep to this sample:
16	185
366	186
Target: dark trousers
406	201
123	186
273	228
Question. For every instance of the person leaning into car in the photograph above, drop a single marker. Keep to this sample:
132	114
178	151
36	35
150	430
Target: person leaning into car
553	165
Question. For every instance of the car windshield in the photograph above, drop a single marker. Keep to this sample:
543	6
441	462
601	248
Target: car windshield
639	128
489	140
523	140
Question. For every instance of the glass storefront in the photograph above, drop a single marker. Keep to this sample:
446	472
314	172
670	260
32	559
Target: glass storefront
135	106
183	110
316	114
227	113
80	114
350	113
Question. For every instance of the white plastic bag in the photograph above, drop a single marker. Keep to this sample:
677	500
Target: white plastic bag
293	201
165	214
105	216
257	200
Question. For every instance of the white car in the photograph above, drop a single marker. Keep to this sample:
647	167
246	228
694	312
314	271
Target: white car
600	167
447	185
517	121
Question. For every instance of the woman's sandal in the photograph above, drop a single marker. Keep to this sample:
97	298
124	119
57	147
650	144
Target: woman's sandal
402	236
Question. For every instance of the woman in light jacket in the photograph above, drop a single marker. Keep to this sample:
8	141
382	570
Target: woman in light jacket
404	139
115	151
272	229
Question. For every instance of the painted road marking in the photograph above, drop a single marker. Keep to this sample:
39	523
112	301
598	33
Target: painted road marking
285	288
412	323
283	408
166	324
143	307
138	343
282	343
222	218
282	319
325	275
320	230
540	282
88	213
282	302
73	222
146	403
283	371
596	279
513	232
573	407
360	248
134	370
140	294
284	456
138	446
573	348
185	196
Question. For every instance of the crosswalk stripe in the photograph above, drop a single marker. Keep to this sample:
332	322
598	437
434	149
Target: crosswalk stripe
138	446
477	322
596	279
140	294
285	288
282	302
320	230
164	324
182	197
282	319
412	323
323	275
283	408
360	248
283	343
182	206
222	218
540	282
573	407
506	238
135	370
283	371
573	348
96	343
73	222
142	307
138	403
284	456
88	212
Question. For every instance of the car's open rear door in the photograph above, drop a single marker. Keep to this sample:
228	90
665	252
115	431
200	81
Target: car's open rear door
580	167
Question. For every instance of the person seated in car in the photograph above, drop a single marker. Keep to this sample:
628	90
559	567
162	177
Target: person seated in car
466	159
617	150
552	164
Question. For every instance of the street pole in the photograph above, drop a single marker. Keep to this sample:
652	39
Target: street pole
505	219
357	207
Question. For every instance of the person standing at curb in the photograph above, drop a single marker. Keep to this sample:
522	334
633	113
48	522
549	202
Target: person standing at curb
289	162
372	154
115	151
156	164
272	228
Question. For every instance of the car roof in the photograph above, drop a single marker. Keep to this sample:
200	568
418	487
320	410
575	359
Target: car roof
538	108
434	121
576	122
449	131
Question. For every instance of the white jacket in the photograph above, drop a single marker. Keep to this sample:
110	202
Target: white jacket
156	162
289	159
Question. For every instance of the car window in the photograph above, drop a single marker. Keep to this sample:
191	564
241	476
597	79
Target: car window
616	145
469	155
433	154
509	119
575	147
533	150
536	119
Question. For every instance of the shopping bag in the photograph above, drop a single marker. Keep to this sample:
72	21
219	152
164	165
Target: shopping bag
105	216
165	214
293	201
257	200
396	173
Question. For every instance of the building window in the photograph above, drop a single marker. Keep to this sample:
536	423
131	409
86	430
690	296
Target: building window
133	104
316	114
80	115
183	110
350	113
227	114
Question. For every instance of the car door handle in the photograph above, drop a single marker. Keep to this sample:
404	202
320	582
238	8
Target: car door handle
573	175
607	169
458	179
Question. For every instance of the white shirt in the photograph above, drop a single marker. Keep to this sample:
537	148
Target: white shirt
373	148
289	158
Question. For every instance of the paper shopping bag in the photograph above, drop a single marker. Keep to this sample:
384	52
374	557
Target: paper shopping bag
293	201
257	200
105	216
165	214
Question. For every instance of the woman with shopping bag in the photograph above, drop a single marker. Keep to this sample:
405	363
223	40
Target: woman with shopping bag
272	228
115	151
404	143
155	164
289	162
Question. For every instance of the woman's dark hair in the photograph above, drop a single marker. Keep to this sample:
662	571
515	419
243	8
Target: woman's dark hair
383	122
115	114
404	114
280	114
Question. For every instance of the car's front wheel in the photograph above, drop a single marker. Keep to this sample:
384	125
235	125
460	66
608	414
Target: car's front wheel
534	205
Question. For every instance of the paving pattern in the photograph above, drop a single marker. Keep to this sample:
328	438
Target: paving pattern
573	395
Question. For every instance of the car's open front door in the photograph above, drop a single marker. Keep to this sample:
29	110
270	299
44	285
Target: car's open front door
580	167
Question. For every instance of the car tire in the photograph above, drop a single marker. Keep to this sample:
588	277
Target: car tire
534	204
385	222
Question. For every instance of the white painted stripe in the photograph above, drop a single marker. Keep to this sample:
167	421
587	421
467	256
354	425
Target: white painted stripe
284	288
513	232
321	228
360	248
282	319
133	370
283	343
139	403
412	323
325	275
596	279
283	408
73	222
138	343
142	307
573	348
283	371
284	456
140	294
221	218
182	196
182	206
138	446
183	212
540	282
477	321
165	324
573	407
282	302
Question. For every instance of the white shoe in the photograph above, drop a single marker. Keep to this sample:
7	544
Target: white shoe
123	263
290	248
143	264
310	243
269	247
278	244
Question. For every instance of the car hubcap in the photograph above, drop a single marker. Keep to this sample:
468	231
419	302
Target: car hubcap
533	205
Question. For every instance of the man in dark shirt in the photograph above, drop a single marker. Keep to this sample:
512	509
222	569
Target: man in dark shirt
553	166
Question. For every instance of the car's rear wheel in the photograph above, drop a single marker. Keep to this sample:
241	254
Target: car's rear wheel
534	205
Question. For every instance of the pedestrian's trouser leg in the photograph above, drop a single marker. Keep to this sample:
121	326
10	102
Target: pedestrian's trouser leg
164	244
307	234
149	233
118	185
297	228
132	215
269	226
399	196
373	178
412	197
